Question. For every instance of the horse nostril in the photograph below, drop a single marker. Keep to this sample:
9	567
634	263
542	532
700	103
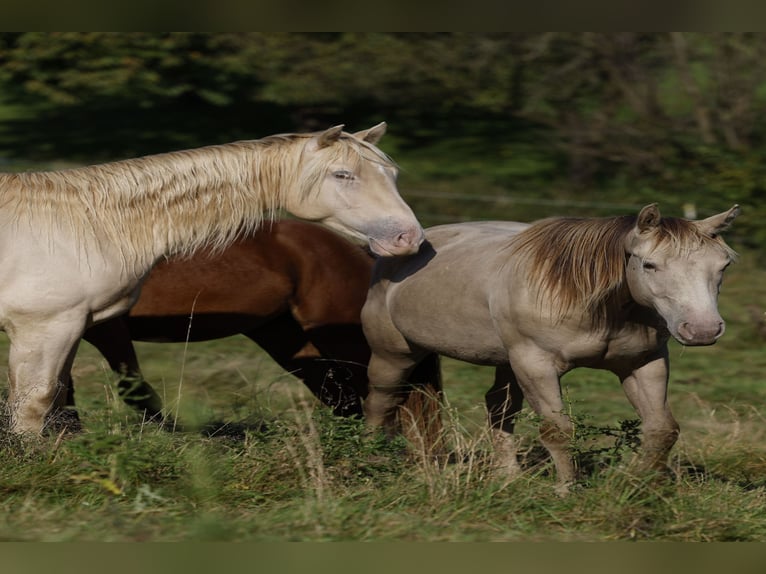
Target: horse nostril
685	330
721	329
410	237
404	238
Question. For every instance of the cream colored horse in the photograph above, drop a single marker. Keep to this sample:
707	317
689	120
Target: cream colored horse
541	300
76	244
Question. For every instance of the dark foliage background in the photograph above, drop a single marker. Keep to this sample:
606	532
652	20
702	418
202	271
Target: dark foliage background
591	123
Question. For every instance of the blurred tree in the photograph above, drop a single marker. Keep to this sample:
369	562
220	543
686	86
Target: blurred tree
118	69
677	114
311	73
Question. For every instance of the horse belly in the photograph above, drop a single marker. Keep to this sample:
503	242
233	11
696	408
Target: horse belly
205	298
181	328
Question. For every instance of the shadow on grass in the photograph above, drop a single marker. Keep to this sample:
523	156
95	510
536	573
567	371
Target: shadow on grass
234	430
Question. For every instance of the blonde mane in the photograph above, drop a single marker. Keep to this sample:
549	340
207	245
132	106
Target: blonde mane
179	200
580	263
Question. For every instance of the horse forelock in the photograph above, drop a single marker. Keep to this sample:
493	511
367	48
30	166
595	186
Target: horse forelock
347	149
682	236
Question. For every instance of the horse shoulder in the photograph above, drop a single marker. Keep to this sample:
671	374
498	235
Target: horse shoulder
331	274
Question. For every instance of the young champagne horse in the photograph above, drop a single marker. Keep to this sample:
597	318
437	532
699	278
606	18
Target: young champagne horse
76	244
294	288
563	293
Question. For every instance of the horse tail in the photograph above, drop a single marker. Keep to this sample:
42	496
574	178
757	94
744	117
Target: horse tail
420	413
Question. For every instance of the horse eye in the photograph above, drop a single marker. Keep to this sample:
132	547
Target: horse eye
649	266
343	174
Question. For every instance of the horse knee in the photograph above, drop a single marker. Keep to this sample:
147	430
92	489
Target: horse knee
557	438
556	434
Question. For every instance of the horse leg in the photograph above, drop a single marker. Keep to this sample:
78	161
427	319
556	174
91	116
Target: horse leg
646	389
539	382
504	401
112	339
341	368
387	390
39	364
68	416
285	340
420	411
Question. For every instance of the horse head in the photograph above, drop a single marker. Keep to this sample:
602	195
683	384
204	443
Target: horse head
675	266
350	185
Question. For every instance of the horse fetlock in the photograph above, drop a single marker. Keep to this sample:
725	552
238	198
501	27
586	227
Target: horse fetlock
564	488
29	409
557	440
505	459
655	448
27	421
140	395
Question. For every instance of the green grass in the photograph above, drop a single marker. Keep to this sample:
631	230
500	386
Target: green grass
284	469
312	479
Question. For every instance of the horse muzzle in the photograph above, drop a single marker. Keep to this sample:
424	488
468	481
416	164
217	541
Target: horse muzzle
699	334
404	243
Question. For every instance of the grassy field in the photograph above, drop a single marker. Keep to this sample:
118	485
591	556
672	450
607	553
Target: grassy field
279	468
257	460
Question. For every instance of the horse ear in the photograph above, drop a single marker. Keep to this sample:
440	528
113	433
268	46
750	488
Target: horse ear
648	218
373	134
328	137
717	223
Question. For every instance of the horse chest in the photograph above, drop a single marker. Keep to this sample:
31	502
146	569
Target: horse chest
628	345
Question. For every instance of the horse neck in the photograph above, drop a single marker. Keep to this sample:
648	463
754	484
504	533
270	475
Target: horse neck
211	198
169	204
577	266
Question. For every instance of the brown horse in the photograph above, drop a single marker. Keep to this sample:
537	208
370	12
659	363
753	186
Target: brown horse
294	288
537	301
